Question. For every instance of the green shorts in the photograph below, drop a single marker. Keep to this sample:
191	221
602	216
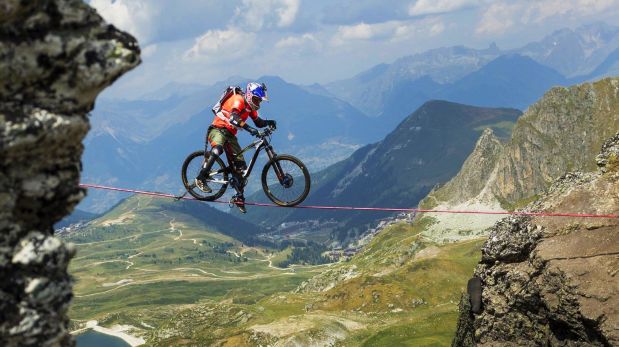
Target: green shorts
224	138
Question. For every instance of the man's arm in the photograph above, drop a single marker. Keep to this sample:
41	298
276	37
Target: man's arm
261	123
236	120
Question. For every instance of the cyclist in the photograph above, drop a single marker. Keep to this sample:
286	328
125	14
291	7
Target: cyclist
230	115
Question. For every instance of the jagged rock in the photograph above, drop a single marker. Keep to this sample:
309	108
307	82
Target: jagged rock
522	240
551	281
608	159
57	55
464	328
559	133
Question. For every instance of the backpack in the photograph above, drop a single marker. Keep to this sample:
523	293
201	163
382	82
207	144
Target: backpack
231	90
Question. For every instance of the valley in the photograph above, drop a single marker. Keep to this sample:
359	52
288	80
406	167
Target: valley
167	279
141	250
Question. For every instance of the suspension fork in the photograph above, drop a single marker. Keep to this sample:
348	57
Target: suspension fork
278	168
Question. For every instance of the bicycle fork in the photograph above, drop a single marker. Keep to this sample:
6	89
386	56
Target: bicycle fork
279	172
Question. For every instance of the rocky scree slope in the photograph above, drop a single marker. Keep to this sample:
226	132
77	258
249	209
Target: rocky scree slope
557	134
553	281
57	55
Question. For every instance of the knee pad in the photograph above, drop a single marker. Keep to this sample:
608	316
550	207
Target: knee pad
217	150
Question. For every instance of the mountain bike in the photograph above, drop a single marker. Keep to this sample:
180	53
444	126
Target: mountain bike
285	179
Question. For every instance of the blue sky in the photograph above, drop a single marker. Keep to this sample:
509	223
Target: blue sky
307	41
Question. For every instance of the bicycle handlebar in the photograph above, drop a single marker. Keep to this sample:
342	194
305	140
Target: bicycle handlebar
266	132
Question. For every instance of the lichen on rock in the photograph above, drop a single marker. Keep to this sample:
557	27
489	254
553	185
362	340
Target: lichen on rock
608	159
56	56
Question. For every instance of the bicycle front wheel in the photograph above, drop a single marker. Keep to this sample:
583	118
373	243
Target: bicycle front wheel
285	180
217	179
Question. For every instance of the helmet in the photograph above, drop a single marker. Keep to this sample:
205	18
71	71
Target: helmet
255	93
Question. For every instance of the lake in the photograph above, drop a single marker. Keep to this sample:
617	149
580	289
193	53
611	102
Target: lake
92	338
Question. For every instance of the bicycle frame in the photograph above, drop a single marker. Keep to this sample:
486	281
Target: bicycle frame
260	144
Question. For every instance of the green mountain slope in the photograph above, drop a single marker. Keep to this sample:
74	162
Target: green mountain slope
144	258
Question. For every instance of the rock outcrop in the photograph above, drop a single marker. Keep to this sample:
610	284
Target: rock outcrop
55	57
551	281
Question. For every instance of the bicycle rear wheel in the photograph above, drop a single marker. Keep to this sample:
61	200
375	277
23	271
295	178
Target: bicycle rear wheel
291	186
217	179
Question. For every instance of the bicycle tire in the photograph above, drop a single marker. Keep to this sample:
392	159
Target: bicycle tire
269	188
188	181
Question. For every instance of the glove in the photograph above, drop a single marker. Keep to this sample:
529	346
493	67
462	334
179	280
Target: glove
251	131
271	123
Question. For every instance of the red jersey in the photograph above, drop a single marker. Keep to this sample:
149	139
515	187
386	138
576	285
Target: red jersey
234	102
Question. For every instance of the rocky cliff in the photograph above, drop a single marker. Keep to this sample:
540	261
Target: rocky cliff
550	281
557	134
56	56
476	171
562	131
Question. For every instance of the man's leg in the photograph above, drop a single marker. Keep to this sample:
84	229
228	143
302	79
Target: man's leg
216	139
240	165
239	160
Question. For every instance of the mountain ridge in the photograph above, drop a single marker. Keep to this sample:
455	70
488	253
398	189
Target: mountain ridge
402	168
536	154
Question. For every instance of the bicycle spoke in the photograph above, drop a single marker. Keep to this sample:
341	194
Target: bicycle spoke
217	179
293	185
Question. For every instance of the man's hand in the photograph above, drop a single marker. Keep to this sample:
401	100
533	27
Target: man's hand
271	123
251	131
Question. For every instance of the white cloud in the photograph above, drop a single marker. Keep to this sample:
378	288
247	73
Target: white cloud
391	31
497	18
542	10
437	28
364	31
503	15
297	41
221	44
425	7
133	16
288	12
258	14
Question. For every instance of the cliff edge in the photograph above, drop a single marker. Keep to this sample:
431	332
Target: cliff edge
56	56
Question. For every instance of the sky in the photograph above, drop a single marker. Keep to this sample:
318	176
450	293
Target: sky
319	41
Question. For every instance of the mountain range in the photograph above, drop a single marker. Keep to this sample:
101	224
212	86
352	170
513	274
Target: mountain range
141	143
564	57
